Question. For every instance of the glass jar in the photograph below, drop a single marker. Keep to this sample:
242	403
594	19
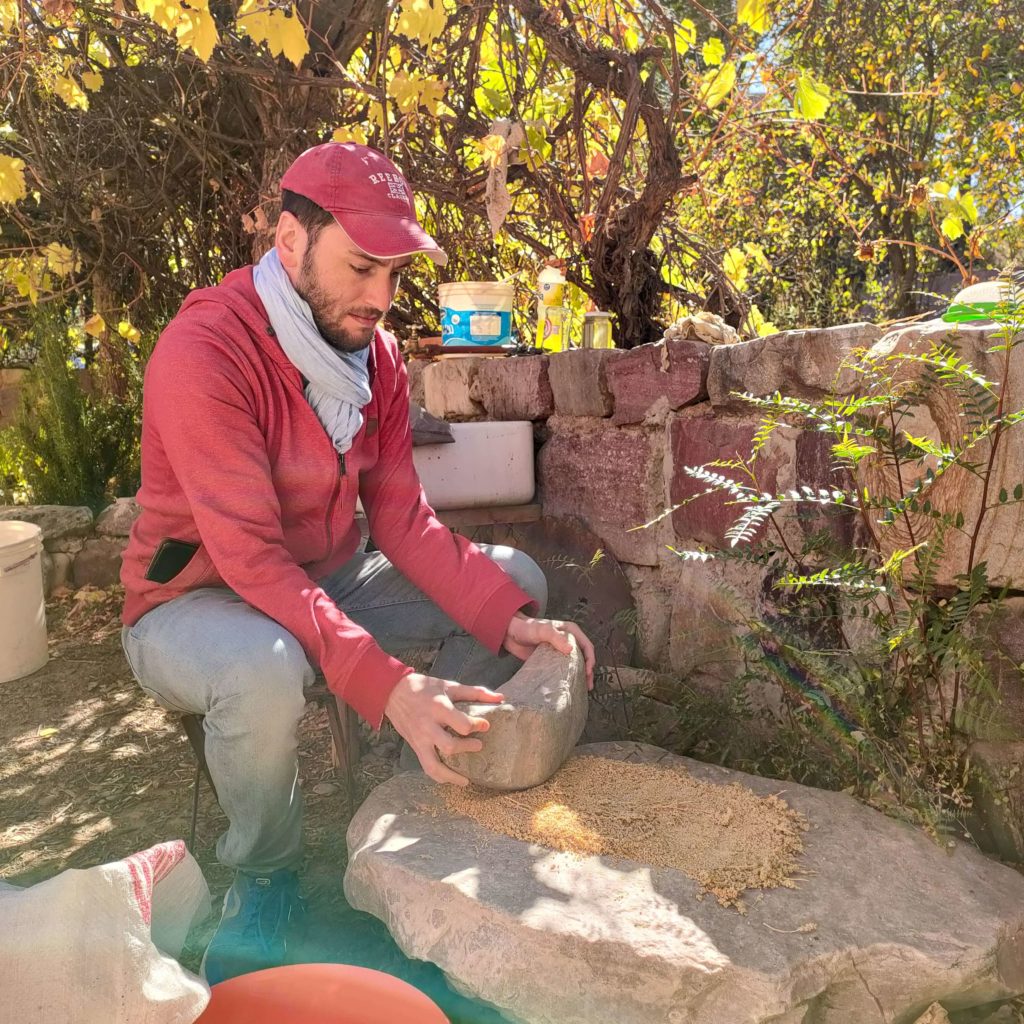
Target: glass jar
597	330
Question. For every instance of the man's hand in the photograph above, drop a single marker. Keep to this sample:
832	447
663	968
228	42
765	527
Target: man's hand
421	708
524	634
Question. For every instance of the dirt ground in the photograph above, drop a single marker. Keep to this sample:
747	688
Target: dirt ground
91	769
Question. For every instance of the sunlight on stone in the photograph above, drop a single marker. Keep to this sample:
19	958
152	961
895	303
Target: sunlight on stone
467	881
608	904
384	841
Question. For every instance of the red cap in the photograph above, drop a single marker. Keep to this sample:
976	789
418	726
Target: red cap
368	196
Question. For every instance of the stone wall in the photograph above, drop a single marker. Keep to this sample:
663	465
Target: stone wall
615	431
79	549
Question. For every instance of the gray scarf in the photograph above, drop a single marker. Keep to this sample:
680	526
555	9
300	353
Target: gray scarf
339	382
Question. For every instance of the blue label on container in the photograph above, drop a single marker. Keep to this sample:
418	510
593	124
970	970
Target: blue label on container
475	327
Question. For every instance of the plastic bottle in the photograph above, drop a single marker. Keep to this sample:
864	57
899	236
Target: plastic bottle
550	309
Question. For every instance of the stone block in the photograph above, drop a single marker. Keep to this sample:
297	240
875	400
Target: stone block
66	545
116	520
514	389
652	588
531	734
58	522
652	379
612	478
98	564
801	364
791	459
59	571
883	922
1000	710
586	583
448	389
579	381
712	606
942	414
997	817
416	368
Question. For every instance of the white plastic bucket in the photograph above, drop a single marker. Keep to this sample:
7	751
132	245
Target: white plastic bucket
22	608
476	313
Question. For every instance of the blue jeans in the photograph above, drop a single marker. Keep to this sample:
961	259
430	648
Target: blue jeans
209	653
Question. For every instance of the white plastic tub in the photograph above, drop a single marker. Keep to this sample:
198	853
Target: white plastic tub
22	608
489	464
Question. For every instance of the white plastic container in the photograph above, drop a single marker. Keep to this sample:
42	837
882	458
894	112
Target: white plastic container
476	313
489	464
22	608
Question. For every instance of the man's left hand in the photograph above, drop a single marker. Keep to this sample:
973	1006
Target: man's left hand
525	633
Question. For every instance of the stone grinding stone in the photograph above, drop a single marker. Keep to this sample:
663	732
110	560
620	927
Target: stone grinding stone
535	730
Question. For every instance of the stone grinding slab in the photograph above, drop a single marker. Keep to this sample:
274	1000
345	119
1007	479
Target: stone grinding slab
885	923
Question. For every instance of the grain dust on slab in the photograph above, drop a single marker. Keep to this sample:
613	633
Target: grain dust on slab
726	838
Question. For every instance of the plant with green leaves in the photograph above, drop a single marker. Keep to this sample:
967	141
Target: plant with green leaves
69	447
879	643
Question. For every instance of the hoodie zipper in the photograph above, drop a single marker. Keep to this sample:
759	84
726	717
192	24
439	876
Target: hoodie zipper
333	503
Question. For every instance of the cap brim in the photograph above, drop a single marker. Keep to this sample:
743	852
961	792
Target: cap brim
389	238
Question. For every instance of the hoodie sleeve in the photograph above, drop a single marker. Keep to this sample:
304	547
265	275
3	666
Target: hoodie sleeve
204	408
452	571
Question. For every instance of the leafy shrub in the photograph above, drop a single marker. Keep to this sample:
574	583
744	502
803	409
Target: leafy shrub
72	447
890	715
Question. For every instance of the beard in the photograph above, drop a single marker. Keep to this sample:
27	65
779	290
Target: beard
330	327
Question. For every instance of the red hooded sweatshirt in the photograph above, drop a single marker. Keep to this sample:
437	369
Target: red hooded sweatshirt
235	460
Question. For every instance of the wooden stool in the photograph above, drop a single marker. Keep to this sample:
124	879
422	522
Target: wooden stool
345	743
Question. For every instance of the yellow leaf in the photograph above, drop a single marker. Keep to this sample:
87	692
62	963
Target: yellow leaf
424	20
411	93
8	15
197	31
27	285
952	227
166	13
291	37
95	326
350	133
127	331
735	266
285	36
812	97
254	20
753	13
12	179
717	83
968	208
92	80
713	51
377	114
59	258
685	36
48	731
70	92
491	148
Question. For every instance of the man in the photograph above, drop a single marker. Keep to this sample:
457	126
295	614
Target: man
271	402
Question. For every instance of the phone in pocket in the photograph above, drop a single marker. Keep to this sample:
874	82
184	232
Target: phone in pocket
169	559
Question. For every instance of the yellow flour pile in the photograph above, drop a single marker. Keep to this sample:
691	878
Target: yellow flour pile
726	838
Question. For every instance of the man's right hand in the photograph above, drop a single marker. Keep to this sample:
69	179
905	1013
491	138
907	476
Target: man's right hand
422	709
